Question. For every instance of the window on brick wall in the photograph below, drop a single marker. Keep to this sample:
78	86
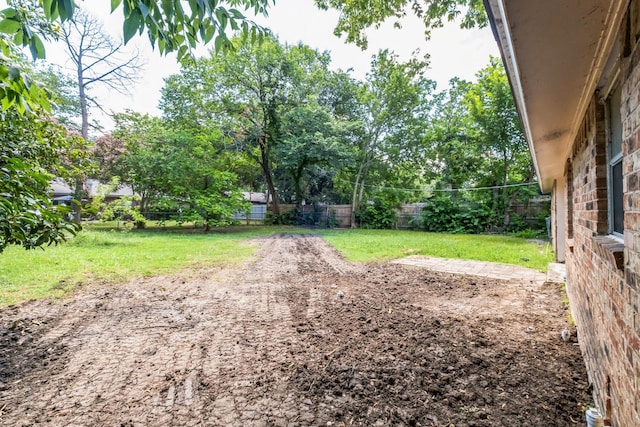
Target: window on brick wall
569	195
614	164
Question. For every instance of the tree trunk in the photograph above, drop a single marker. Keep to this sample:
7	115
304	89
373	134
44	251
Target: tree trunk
358	189
354	199
79	184
363	179
272	190
495	204
297	182
268	177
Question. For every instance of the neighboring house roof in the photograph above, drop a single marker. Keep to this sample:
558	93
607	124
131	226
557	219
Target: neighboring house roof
554	54
93	188
60	188
253	197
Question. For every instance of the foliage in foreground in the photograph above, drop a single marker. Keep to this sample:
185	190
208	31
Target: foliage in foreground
33	150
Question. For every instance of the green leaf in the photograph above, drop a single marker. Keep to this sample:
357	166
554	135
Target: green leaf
66	9
8	12
144	10
18	37
37	48
219	43
9	26
192	40
126	10
13	73
236	13
179	12
208	35
115	4
168	9
131	25
50	9
193	5
162	45
182	52
220	16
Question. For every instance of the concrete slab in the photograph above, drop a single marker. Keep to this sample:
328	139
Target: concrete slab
557	273
494	270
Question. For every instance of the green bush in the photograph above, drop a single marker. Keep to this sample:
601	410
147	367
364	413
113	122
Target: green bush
443	214
438	213
285	218
121	209
379	215
332	221
307	215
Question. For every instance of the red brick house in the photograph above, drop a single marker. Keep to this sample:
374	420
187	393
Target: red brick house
574	68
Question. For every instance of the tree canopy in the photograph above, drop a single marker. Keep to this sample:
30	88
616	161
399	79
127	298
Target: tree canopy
357	16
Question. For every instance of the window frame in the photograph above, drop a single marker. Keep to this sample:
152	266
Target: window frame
614	159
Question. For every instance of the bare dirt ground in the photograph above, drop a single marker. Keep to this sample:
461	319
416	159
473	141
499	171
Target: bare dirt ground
296	337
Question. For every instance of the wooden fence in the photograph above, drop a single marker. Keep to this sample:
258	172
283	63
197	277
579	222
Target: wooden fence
319	215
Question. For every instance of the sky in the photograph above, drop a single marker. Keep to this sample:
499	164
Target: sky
453	52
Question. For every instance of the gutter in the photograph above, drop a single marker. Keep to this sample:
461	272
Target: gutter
502	36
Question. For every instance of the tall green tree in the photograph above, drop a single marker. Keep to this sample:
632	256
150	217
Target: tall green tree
312	138
162	163
454	154
247	93
504	151
394	110
143	160
63	93
474	142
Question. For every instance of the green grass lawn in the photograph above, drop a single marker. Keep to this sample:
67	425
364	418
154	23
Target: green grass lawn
383	245
116	255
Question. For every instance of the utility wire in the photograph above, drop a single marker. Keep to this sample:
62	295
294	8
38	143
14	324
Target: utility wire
451	190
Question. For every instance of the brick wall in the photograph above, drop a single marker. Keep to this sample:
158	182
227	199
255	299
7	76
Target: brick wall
603	275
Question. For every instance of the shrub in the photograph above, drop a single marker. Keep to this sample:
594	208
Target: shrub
381	214
444	214
438	213
285	218
332	221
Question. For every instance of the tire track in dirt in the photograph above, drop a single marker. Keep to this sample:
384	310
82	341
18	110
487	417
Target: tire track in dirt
178	354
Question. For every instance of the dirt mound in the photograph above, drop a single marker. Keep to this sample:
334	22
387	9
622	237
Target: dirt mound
297	337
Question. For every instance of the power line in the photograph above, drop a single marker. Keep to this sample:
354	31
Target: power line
451	190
